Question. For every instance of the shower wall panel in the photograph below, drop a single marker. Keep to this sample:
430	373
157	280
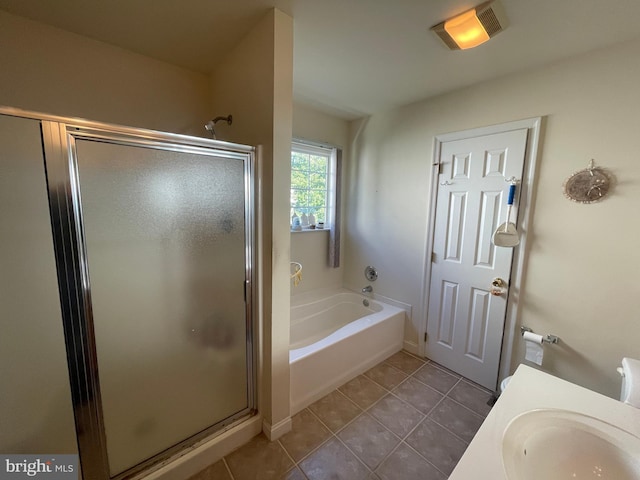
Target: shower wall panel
36	415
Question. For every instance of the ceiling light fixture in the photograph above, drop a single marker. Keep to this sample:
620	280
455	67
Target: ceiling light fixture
472	27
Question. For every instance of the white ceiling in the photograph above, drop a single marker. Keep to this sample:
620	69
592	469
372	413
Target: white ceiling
351	57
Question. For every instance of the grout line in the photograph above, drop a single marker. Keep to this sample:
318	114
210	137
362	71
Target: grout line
446	370
391	391
354	454
331	434
432	388
353	420
386	388
224	461
420	455
295	464
467	442
478	387
422	359
467	408
454	386
425	384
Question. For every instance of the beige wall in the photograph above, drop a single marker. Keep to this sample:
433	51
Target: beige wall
310	248
255	84
49	70
581	281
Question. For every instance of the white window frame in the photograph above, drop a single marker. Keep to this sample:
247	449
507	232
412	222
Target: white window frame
312	148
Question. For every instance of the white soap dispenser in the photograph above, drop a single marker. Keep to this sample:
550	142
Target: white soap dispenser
304	221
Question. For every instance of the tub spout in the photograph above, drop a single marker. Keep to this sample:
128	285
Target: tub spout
367	289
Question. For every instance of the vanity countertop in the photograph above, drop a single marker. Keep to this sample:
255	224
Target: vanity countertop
531	389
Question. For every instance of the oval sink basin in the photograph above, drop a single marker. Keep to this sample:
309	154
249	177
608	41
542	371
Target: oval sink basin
565	445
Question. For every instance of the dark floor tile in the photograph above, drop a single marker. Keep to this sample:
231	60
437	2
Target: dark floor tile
395	414
369	440
437	445
418	394
363	391
294	474
307	433
217	471
405	464
386	375
259	459
436	378
333	461
457	419
405	362
335	410
471	397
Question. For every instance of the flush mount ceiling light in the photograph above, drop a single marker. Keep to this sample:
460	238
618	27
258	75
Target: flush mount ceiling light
473	27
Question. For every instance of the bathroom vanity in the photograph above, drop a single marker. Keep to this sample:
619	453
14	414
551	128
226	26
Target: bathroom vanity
543	427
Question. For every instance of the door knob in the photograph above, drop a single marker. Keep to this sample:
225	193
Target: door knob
498	286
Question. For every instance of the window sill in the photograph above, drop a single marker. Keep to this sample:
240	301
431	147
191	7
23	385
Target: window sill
311	230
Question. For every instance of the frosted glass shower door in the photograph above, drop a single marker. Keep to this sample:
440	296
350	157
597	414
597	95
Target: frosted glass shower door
166	253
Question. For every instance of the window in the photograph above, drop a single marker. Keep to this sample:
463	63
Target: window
312	183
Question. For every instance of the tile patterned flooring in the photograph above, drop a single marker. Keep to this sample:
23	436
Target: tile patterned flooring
406	418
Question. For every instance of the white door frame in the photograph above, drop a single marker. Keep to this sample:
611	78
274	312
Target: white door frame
524	221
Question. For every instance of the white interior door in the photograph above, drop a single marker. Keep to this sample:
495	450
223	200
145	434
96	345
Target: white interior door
465	320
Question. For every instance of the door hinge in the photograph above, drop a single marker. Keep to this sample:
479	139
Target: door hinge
425	337
433	257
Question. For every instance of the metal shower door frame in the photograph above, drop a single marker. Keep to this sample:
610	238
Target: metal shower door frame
74	284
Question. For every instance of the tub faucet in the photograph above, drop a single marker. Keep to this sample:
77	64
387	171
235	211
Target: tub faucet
367	289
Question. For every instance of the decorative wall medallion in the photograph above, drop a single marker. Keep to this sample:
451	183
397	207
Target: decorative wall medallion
589	185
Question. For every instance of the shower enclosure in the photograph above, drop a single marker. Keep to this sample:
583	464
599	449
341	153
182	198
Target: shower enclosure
153	240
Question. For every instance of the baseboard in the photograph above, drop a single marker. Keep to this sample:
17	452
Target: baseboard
273	432
411	347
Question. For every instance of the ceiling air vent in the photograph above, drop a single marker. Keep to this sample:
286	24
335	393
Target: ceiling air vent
476	26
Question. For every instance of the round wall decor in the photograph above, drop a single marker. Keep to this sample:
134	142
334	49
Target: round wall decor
589	185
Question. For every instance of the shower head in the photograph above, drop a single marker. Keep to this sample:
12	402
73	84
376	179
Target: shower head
209	128
209	125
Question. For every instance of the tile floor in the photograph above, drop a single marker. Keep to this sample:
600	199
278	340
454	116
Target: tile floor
406	418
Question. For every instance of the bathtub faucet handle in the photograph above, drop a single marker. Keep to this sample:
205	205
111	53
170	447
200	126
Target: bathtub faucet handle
367	289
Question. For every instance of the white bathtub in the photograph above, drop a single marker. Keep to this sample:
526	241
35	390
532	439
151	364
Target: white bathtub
334	338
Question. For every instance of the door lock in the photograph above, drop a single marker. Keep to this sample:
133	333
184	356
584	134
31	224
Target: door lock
498	282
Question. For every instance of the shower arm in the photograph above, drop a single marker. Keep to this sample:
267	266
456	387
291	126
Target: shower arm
210	124
228	119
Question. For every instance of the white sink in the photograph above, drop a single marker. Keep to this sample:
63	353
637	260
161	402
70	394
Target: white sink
563	445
